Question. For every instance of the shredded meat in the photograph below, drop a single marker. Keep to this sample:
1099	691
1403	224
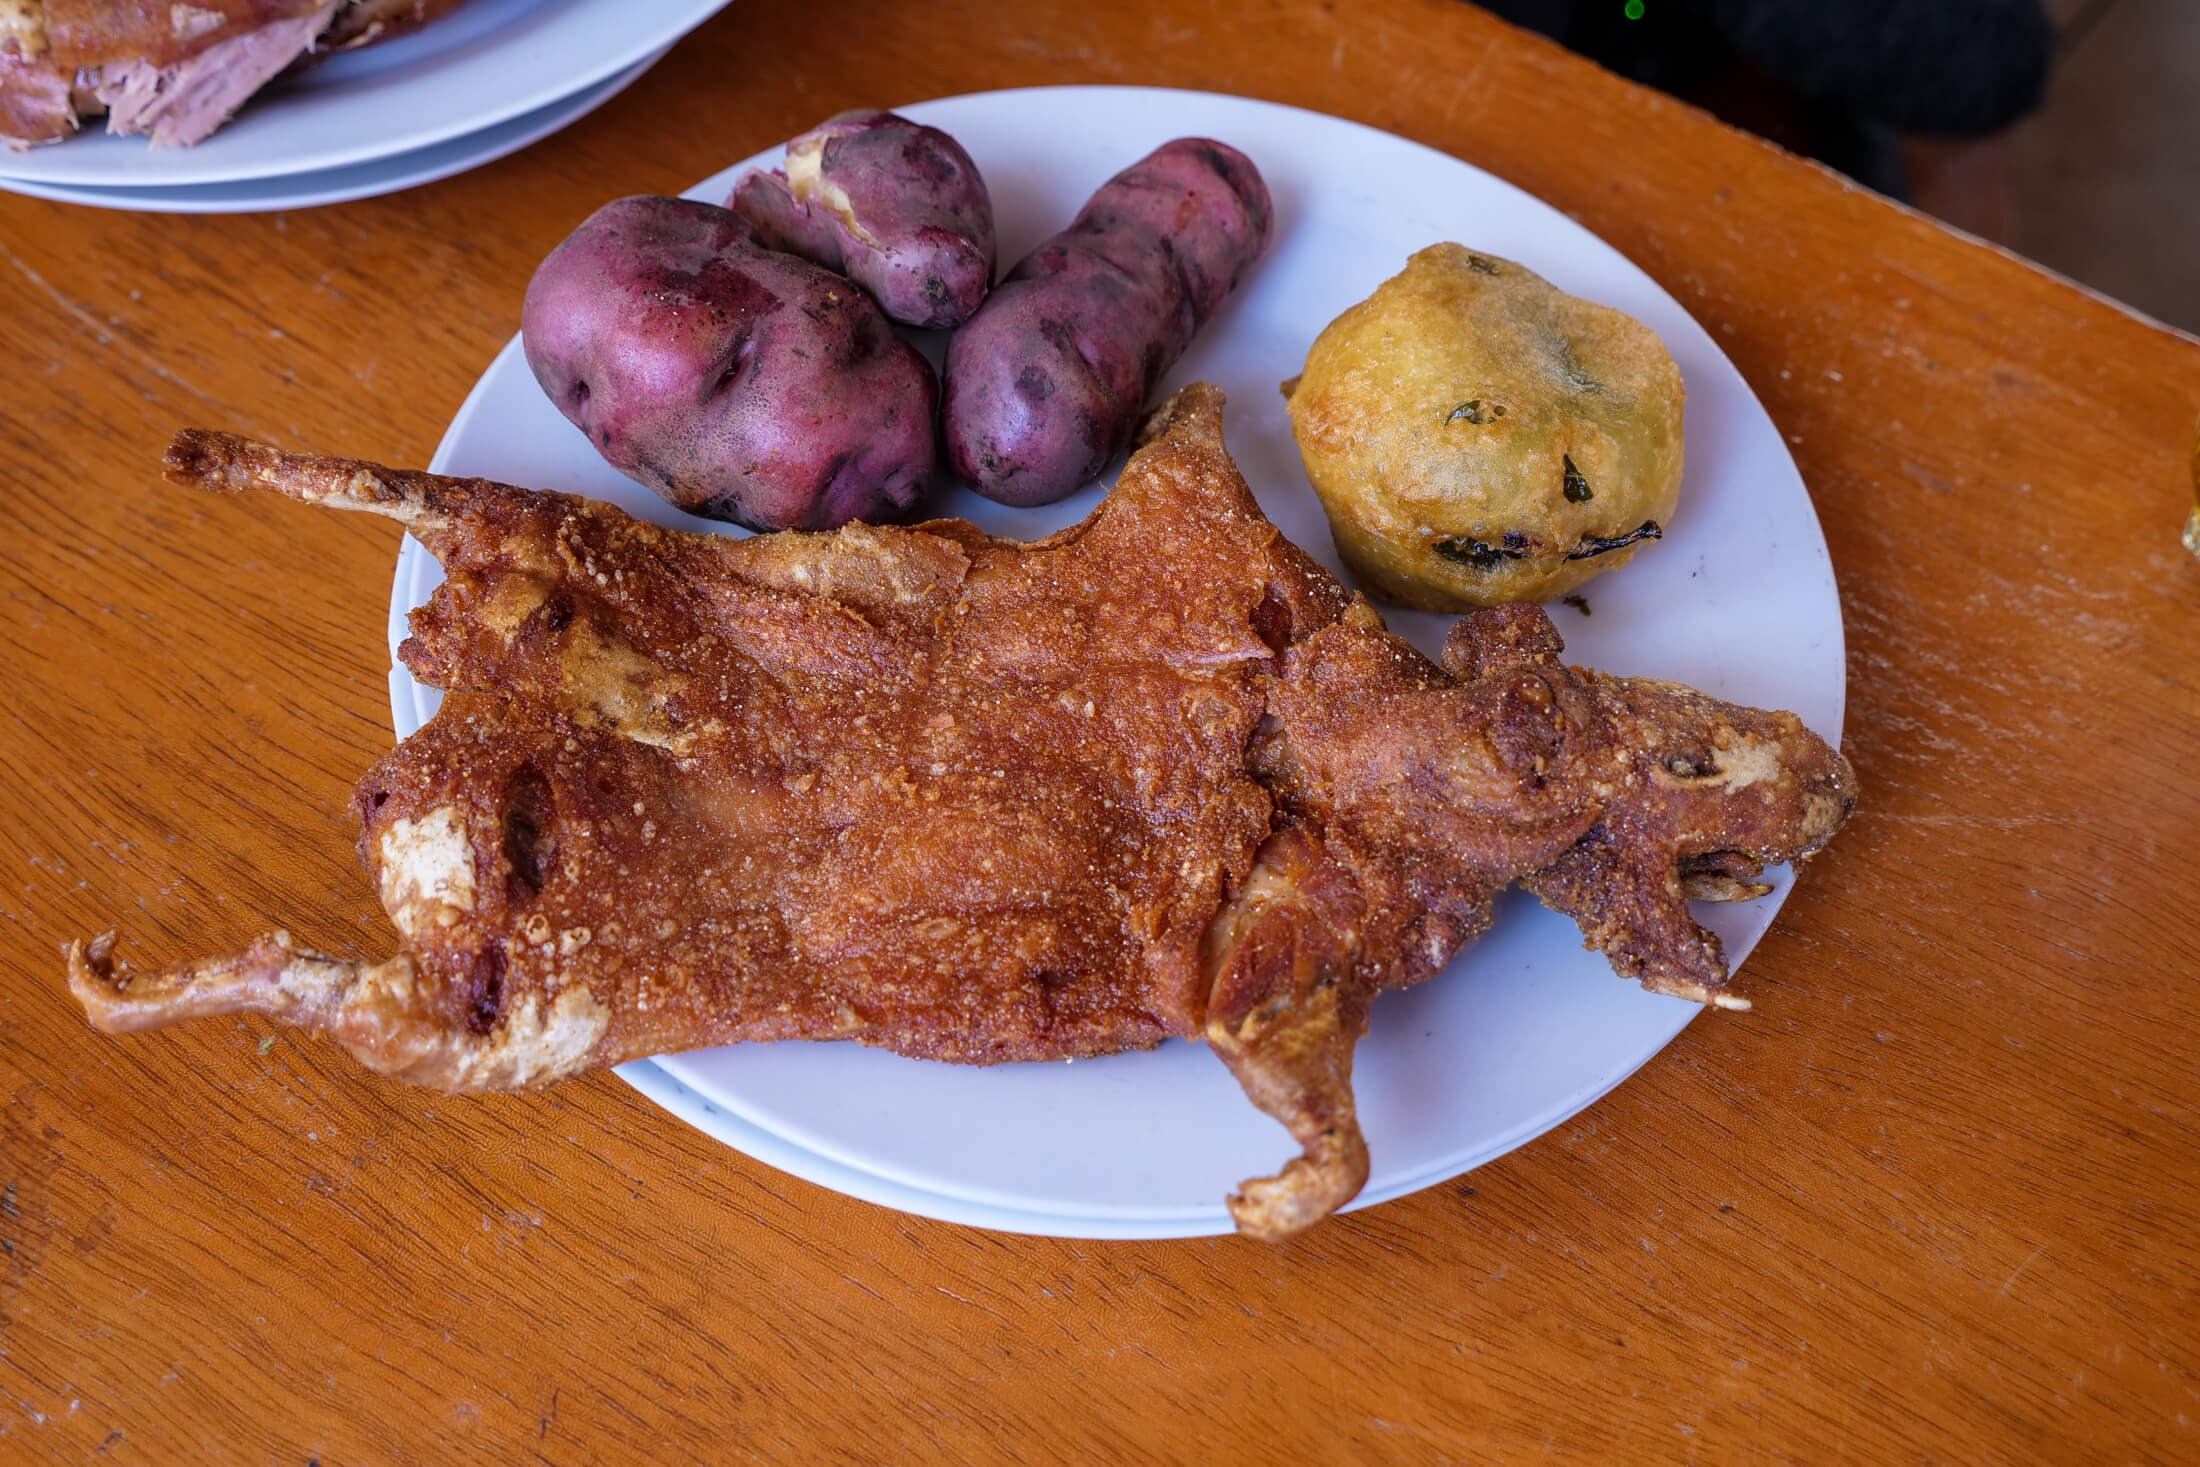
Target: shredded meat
977	800
184	102
174	71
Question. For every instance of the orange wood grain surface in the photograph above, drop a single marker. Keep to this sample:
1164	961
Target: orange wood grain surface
1936	1199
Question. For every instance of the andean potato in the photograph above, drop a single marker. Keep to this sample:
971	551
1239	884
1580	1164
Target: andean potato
1046	383
896	206
736	381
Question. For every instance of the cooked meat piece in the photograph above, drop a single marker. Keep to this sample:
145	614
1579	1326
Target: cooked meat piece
978	800
107	32
177	72
363	22
34	88
23	28
34	101
185	102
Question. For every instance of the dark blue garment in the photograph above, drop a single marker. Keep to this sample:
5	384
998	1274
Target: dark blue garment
1857	71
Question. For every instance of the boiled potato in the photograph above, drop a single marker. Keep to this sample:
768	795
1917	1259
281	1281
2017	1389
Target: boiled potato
894	205
1478	436
736	381
1046	384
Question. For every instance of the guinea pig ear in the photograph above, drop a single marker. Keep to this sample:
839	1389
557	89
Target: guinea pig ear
1196	409
1497	638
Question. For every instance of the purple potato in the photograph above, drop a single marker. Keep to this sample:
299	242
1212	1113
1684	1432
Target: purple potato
897	207
1047	382
736	381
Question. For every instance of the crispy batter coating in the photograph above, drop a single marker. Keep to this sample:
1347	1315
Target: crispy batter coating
1478	436
977	800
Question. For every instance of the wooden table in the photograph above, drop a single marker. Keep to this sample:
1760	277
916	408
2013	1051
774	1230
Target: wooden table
1936	1199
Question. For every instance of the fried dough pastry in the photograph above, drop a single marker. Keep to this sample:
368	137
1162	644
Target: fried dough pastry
1478	436
977	800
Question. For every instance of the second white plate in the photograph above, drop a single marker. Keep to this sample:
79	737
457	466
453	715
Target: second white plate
483	64
341	185
1526	1028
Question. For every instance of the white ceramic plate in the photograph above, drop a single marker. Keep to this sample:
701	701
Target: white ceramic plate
1526	1028
484	64
341	185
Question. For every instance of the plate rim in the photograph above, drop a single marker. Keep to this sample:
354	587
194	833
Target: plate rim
666	1088
356	181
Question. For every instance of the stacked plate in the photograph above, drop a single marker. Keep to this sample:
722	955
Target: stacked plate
481	82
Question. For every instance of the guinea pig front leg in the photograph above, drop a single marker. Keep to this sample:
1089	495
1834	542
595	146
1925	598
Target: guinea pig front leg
1632	906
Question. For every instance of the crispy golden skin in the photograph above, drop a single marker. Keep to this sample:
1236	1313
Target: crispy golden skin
1478	436
976	800
99	32
80	33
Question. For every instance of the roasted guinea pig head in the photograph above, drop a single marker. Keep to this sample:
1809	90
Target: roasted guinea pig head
976	800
